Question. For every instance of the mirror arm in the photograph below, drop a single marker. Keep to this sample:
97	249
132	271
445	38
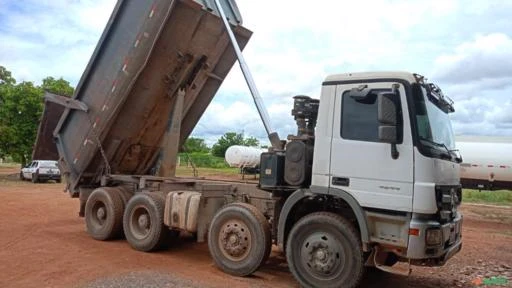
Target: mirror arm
394	151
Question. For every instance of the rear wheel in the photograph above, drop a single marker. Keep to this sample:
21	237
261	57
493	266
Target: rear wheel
239	239
323	250
104	214
143	222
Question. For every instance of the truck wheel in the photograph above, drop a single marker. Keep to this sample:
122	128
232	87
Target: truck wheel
104	214
323	250
239	239
143	222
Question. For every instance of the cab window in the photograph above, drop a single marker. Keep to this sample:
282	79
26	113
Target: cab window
359	119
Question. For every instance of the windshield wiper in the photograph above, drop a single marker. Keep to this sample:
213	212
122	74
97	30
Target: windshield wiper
449	152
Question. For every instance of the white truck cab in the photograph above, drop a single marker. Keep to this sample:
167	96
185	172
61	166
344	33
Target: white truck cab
410	199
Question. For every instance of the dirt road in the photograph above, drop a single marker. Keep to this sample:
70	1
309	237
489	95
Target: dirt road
43	243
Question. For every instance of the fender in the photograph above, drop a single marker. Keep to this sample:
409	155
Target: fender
317	190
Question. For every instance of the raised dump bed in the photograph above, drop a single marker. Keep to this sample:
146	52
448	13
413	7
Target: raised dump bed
124	100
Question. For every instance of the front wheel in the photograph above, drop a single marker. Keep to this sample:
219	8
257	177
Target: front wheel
323	250
239	239
35	177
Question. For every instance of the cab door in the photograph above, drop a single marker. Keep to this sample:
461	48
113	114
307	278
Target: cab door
360	164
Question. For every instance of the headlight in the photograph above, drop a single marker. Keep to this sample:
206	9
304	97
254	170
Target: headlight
434	237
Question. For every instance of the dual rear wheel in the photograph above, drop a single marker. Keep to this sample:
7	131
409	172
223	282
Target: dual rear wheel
239	237
110	211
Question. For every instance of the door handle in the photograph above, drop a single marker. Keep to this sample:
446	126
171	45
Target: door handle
340	181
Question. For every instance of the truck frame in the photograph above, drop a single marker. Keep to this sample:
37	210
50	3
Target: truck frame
360	184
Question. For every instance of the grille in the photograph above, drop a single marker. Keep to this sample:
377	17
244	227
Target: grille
448	198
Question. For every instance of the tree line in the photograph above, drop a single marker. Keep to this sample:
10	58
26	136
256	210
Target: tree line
194	144
21	107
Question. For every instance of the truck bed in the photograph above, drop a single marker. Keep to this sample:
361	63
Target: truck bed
148	51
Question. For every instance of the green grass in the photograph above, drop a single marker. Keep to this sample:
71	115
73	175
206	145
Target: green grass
9	165
501	197
202	171
204	160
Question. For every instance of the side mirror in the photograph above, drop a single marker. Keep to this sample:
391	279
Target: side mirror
388	119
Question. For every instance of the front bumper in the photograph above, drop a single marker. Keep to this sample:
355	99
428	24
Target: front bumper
421	253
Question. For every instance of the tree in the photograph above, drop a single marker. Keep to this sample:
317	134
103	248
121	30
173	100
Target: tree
230	139
6	84
57	86
19	118
21	106
194	144
251	141
6	77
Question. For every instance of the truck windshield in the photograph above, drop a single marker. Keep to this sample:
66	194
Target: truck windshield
434	125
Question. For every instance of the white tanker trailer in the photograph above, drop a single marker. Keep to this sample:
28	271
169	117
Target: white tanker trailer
487	164
243	156
246	158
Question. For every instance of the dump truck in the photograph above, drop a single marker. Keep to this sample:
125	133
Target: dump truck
369	179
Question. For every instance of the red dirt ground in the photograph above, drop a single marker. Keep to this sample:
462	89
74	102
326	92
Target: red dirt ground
43	243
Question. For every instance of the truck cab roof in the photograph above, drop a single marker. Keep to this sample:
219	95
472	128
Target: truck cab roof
358	76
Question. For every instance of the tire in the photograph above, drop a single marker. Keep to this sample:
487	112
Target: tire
125	195
104	214
143	222
323	250
246	226
35	177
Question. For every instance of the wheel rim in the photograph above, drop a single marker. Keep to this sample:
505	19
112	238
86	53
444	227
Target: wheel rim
99	213
140	222
235	240
321	254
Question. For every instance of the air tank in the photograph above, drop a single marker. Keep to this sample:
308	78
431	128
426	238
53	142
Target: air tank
243	156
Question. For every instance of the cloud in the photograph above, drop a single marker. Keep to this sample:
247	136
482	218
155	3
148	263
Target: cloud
50	38
242	117
487	60
477	74
465	46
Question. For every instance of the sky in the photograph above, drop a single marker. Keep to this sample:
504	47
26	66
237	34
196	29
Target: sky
463	46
